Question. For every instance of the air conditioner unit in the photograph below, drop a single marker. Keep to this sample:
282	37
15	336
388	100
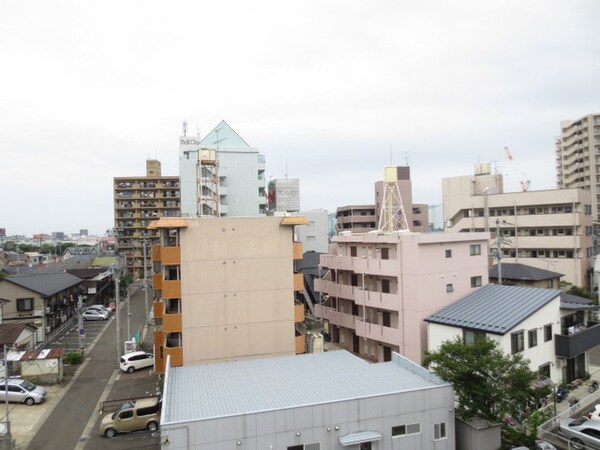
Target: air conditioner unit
37	323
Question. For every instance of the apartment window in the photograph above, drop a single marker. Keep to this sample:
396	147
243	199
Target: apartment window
439	430
24	304
405	430
450	287
544	370
517	342
310	238
448	253
385	286
548	332
475	281
475	249
313	446
353	251
532	337
470	336
385	253
365	446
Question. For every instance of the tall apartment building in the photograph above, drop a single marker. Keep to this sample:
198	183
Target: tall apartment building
548	229
139	201
235	176
284	195
378	287
317	233
364	218
578	157
225	288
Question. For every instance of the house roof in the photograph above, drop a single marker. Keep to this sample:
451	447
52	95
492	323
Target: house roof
29	355
10	332
568	301
494	308
45	283
212	390
522	272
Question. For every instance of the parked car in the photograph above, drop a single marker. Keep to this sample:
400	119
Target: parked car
21	391
99	308
581	432
130	362
141	414
594	414
111	305
91	314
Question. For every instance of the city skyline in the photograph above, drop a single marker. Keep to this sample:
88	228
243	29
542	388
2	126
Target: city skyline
330	95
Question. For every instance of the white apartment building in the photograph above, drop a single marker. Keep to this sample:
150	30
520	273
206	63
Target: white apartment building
548	229
316	235
235	176
578	157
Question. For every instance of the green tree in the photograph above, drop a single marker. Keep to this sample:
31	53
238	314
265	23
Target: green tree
487	382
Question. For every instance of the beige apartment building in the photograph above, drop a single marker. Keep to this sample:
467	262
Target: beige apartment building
138	201
578	157
548	229
225	288
365	218
378	287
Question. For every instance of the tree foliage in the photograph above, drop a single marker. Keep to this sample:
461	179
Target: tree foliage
487	382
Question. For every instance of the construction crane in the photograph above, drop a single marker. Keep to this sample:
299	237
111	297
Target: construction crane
524	182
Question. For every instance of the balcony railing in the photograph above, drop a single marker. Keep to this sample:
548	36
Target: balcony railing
569	346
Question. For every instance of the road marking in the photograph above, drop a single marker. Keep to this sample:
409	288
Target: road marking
87	432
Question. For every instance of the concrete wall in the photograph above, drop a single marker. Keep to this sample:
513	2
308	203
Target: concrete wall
325	424
237	288
315	235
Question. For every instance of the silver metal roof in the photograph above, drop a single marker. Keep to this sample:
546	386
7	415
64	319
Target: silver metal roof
494	308
46	283
206	391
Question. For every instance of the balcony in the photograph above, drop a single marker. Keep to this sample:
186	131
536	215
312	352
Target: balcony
300	344
385	267
298	282
171	288
171	323
569	346
176	354
166	255
157	281
335	290
298	313
377	299
377	332
159	309
335	317
298	251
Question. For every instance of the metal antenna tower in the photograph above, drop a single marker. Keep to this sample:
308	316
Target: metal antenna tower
392	216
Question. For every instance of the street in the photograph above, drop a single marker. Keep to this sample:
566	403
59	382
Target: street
64	427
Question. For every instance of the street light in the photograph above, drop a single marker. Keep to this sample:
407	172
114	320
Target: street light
116	274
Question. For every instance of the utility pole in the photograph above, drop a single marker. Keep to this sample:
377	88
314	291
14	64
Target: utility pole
128	316
499	251
6	391
146	283
117	313
81	333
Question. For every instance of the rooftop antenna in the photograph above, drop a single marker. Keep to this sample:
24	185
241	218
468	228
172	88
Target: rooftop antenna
406	158
392	216
197	129
286	168
184	128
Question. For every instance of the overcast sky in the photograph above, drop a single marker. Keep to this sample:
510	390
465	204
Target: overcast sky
89	90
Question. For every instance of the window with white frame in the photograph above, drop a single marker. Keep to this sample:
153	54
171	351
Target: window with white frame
532	337
439	430
517	342
405	430
475	249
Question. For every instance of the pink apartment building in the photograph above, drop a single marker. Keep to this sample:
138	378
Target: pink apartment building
377	288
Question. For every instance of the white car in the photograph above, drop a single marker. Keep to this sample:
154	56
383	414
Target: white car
595	413
91	314
99	308
130	362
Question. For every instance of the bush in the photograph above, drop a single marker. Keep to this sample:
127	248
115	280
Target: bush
73	358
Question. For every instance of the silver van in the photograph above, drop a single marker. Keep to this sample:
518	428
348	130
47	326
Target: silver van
21	391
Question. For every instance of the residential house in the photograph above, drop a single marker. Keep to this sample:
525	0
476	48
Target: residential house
524	275
547	327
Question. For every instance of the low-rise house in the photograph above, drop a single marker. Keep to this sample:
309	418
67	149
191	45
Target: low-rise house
18	336
44	298
315	401
524	275
546	326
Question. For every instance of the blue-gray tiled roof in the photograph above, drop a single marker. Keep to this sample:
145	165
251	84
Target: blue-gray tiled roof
494	308
44	282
